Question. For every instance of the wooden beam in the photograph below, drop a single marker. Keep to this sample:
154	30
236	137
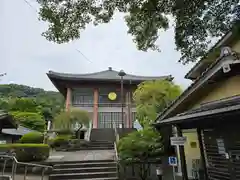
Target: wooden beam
95	107
203	160
182	156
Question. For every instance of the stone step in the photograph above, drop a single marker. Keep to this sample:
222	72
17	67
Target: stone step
99	145
110	178
89	175
85	170
85	164
89	148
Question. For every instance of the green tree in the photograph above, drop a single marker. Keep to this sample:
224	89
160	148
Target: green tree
29	99
23	105
151	97
66	120
140	146
194	20
30	120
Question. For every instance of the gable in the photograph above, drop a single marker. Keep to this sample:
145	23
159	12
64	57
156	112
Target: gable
224	89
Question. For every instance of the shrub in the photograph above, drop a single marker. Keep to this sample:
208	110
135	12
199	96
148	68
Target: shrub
78	143
27	152
32	137
61	140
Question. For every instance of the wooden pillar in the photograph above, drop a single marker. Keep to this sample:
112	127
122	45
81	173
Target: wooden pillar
68	99
203	160
95	108
182	156
128	115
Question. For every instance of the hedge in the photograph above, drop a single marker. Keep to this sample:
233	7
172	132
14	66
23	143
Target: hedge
59	141
27	152
32	137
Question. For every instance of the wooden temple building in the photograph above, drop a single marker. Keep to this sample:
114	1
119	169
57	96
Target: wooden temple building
100	94
207	114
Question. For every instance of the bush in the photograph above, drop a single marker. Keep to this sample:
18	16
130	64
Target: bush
32	137
59	141
78	143
27	152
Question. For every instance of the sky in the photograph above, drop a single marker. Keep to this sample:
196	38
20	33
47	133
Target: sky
26	56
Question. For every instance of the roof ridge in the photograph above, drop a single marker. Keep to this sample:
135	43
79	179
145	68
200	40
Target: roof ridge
96	73
82	74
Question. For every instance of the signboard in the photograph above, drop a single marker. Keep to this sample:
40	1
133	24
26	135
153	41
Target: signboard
172	161
178	141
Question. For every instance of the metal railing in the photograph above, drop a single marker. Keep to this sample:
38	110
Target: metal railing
15	163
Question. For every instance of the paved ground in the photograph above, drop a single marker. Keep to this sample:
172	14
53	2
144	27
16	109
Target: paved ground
81	155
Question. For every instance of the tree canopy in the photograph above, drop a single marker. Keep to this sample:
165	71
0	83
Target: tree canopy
14	97
140	145
66	120
31	107
194	20
30	120
151	97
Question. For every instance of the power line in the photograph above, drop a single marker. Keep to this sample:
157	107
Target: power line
85	57
28	3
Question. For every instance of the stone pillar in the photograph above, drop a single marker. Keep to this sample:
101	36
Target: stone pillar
68	99
95	108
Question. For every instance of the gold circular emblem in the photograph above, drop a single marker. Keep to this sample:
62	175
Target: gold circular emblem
112	96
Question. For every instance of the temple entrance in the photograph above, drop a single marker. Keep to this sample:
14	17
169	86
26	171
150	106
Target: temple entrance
109	119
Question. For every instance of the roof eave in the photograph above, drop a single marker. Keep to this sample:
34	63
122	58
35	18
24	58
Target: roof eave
53	76
221	42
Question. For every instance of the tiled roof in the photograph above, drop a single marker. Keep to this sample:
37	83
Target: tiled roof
19	131
103	75
222	103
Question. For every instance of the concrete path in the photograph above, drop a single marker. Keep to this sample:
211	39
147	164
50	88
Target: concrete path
81	155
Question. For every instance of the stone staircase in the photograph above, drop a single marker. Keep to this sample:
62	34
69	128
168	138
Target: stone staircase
93	145
85	170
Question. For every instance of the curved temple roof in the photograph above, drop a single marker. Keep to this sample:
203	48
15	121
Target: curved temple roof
108	75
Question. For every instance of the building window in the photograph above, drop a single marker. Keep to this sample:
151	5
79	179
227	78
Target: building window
109	119
83	97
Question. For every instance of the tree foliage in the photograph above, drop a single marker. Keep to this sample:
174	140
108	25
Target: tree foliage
140	145
151	97
30	120
14	97
30	106
66	120
194	20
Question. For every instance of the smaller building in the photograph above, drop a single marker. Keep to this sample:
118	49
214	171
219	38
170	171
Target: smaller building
12	135
207	115
6	122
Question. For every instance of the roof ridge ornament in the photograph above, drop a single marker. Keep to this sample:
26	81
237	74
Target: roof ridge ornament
110	68
226	51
